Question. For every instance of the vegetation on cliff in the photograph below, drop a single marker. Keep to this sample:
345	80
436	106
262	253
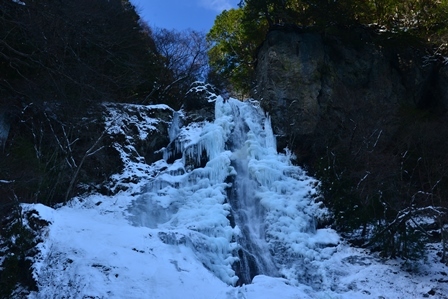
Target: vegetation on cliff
60	61
381	181
386	184
237	33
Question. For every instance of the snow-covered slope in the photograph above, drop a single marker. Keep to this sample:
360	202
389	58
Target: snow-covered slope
183	229
91	251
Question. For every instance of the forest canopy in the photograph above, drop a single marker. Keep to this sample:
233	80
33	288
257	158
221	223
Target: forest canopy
237	33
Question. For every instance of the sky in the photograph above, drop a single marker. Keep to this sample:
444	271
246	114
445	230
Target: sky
182	14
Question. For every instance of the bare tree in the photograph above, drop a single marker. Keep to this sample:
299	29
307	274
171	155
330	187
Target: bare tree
184	55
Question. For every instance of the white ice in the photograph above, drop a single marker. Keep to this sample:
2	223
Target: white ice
169	236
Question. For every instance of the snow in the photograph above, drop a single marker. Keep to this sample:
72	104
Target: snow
121	122
169	236
92	250
118	119
6	182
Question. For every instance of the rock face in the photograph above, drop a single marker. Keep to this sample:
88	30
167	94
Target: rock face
135	133
199	102
287	61
366	114
310	83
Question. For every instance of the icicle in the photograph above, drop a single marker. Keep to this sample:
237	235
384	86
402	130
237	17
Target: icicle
271	143
175	125
231	168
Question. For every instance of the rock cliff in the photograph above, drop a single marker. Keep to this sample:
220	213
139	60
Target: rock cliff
365	112
313	83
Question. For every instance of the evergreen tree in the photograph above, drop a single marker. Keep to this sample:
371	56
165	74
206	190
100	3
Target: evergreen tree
233	46
237	33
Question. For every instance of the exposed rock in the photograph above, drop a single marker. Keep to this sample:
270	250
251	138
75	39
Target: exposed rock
289	80
143	127
21	230
199	102
311	83
136	133
362	110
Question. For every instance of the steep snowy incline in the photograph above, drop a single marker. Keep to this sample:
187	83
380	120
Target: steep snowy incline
183	229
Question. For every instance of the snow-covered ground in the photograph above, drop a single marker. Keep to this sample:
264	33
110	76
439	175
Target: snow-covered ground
168	235
92	251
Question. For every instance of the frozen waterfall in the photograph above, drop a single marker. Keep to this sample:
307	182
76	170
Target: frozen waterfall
223	191
248	213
